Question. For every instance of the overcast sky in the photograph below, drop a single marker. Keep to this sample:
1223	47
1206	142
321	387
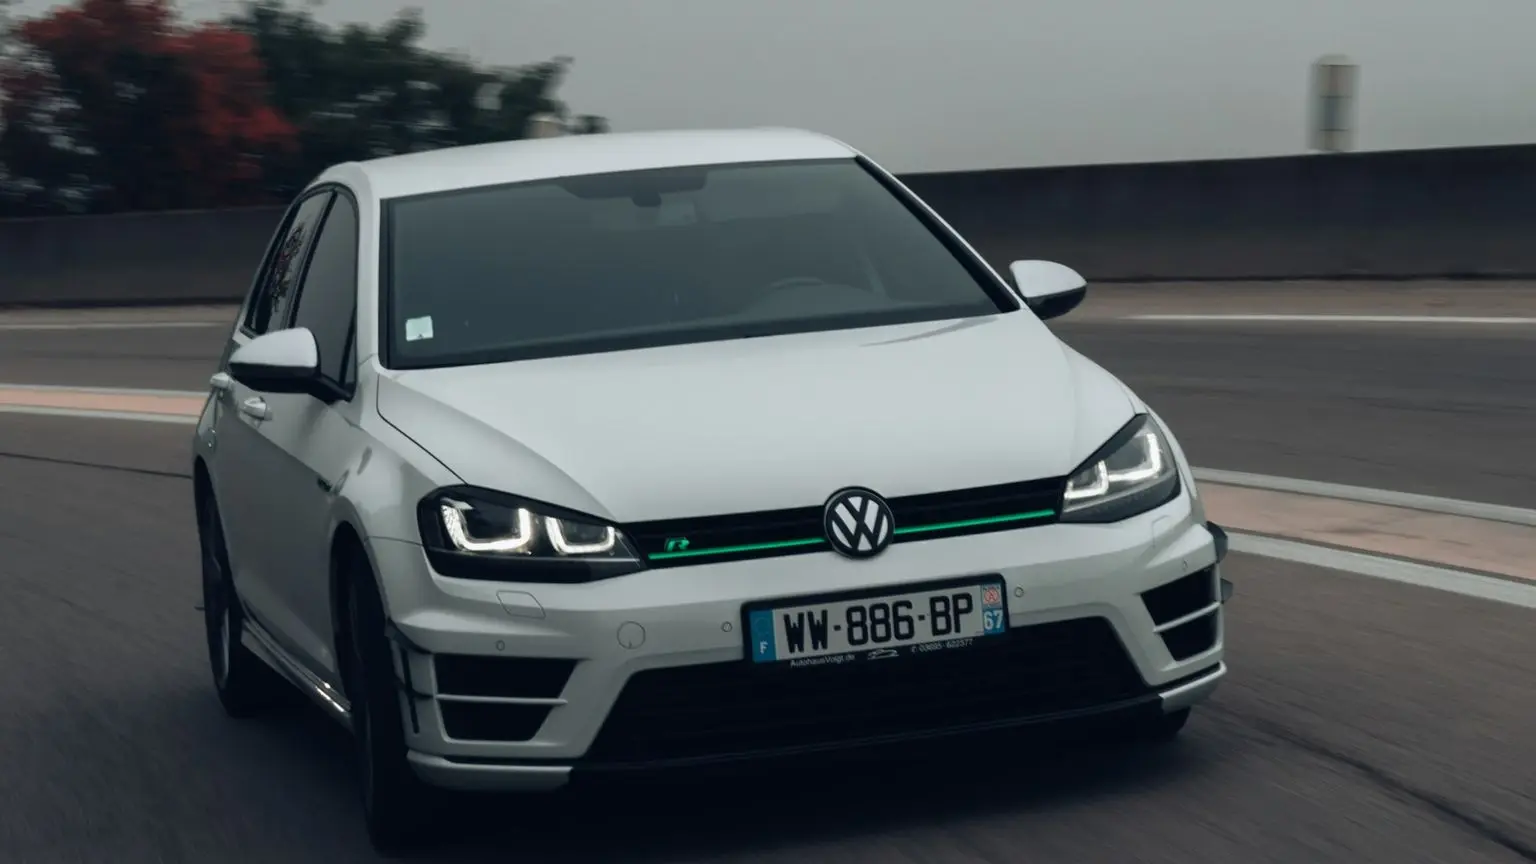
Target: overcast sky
953	84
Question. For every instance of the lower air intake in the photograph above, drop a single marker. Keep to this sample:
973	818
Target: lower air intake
723	709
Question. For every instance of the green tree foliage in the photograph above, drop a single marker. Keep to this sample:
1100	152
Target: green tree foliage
359	92
109	105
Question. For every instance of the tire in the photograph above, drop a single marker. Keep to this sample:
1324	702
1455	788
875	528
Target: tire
399	809
245	684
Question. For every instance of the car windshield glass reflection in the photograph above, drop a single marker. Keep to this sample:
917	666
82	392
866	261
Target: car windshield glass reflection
635	259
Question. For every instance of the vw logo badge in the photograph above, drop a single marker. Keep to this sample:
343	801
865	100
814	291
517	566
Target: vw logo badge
858	523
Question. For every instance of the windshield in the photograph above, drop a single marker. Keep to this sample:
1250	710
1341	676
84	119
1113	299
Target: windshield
646	258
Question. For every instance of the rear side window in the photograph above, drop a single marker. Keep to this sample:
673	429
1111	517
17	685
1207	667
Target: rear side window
274	294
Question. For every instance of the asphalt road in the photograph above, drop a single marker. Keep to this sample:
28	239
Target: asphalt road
1364	721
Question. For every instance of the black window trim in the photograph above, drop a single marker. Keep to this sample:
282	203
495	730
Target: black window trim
1002	295
994	285
267	259
345	391
338	391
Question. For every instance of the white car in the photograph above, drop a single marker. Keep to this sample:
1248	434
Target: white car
548	458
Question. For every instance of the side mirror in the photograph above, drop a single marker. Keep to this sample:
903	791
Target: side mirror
1051	290
283	361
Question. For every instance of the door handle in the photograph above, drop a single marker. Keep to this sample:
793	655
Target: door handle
221	382
255	408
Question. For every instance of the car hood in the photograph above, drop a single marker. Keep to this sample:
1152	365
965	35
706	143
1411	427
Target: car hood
767	423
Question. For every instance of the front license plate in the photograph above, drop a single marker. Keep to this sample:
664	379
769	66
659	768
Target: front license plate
848	629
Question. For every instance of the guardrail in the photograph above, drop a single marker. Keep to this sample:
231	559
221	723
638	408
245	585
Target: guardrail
1468	212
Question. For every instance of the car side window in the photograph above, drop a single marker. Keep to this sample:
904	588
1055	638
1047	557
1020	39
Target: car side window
274	296
327	299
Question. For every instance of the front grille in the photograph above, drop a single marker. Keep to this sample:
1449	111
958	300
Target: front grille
497	698
679	542
724	709
972	511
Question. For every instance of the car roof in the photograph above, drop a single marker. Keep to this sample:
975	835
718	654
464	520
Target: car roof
452	168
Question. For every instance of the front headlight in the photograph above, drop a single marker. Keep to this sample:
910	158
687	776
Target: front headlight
1131	474
479	534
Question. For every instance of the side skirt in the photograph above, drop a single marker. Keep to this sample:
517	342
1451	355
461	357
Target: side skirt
330	700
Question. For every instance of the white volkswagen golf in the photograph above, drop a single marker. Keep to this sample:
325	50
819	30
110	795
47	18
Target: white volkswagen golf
545	458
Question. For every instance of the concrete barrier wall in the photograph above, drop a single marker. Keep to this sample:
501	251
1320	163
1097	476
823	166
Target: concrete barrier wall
1460	213
185	256
1463	212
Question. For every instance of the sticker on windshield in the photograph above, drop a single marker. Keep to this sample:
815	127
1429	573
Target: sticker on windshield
418	328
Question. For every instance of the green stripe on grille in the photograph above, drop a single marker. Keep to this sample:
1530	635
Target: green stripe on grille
900	532
731	550
976	523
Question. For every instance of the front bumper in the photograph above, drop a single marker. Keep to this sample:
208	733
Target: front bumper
515	687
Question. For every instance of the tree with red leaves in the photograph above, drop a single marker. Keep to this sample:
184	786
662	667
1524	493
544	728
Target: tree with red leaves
114	105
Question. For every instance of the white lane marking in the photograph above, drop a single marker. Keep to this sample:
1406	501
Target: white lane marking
183	419
1365	495
109	391
112	325
1406	572
1341	319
